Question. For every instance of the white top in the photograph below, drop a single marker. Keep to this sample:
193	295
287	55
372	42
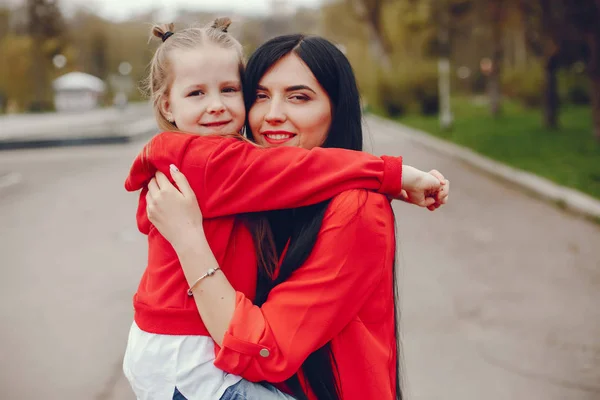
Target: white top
157	364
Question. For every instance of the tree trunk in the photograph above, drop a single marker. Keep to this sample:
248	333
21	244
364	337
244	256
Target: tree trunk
551	99
594	73
520	48
371	14
494	83
595	83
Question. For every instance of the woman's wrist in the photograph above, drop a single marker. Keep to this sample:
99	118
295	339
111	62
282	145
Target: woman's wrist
191	239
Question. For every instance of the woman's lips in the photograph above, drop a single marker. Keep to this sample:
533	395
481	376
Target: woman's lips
278	137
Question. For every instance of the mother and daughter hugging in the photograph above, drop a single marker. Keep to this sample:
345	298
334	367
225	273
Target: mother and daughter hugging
271	267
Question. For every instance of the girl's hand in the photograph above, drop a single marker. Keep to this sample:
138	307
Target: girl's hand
424	189
174	211
441	196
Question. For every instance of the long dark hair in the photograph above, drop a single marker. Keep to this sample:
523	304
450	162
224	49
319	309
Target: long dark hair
271	230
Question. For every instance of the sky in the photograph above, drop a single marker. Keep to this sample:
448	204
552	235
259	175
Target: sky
122	9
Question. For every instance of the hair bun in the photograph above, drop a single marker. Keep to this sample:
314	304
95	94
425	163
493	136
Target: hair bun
221	24
163	31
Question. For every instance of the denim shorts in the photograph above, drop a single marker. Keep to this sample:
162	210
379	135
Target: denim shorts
246	390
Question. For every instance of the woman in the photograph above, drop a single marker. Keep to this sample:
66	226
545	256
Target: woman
323	320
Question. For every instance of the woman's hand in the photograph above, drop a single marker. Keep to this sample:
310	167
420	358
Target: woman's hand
174	211
424	189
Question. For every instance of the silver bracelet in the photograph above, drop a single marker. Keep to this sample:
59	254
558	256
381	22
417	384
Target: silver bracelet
210	272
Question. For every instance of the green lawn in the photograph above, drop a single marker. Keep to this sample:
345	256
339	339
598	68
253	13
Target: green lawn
569	156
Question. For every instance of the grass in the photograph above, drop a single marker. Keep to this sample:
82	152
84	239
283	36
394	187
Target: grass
568	156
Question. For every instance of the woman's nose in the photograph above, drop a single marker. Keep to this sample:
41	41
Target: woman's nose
275	113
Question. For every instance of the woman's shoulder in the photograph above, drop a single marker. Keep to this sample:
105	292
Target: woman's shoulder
364	206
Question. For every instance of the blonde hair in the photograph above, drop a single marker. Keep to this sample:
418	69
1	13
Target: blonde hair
159	80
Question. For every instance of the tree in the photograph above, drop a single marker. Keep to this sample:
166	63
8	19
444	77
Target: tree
370	12
15	83
99	56
45	23
497	12
569	32
585	16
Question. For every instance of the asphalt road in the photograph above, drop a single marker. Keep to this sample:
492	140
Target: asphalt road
500	291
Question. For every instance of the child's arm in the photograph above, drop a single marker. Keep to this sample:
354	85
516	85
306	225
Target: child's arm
230	176
239	177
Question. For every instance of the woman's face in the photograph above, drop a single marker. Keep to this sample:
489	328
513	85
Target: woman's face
291	107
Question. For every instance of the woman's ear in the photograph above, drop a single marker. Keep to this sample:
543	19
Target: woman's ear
165	108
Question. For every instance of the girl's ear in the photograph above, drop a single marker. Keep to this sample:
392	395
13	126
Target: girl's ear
165	108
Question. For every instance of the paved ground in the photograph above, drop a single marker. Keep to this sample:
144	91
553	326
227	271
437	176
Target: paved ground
499	290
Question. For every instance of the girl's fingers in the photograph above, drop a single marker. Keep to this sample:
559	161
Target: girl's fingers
438	175
428	202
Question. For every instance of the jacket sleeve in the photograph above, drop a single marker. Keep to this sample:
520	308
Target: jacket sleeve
238	177
309	309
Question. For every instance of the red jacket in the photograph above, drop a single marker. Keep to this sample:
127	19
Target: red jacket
230	177
343	293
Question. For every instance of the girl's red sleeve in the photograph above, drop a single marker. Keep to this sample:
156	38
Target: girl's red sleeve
231	177
355	246
239	177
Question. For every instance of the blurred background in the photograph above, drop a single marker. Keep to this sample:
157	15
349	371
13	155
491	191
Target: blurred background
515	72
500	288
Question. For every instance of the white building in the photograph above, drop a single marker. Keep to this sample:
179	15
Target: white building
77	91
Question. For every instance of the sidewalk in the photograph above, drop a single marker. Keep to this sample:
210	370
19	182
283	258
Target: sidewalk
102	126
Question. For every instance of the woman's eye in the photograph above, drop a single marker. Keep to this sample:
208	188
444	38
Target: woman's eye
261	96
300	97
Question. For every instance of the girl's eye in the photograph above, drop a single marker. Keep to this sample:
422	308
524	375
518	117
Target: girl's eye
230	90
195	93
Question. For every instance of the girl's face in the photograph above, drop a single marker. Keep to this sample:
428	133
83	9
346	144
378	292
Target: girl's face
291	108
206	94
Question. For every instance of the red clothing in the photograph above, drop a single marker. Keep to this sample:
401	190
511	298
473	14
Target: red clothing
343	293
230	177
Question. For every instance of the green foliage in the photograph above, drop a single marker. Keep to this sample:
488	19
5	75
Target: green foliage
527	86
568	156
15	83
574	87
407	89
524	85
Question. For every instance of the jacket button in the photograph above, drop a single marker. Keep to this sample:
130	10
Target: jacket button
264	353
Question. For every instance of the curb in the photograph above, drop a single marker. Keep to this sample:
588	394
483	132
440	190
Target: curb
563	197
119	135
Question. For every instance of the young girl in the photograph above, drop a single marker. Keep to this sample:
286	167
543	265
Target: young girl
195	82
